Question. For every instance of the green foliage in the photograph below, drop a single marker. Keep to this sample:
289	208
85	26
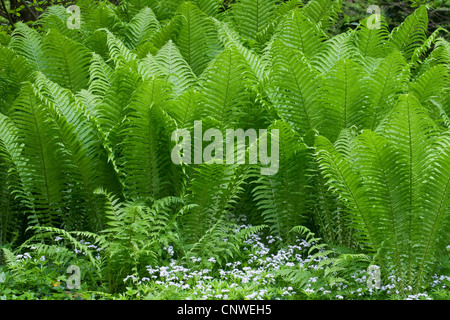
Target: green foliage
86	123
394	183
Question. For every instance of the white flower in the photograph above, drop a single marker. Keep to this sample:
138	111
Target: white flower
42	258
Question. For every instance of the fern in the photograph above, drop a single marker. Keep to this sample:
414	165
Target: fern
292	89
389	173
283	202
141	27
250	17
197	39
411	34
67	62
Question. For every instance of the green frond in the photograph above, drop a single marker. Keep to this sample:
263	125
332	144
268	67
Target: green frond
56	17
411	34
141	28
283	198
431	84
210	7
338	171
431	225
145	159
214	189
100	79
41	167
373	42
231	40
421	51
97	16
226	86
341	46
323	13
82	149
14	70
300	33
251	16
118	52
27	42
169	31
177	70
386	81
111	111
383	173
184	109
343	97
11	185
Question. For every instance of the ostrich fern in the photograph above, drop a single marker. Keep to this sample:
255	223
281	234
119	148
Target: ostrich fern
94	109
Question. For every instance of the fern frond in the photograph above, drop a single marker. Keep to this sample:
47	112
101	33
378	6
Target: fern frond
282	200
341	46
145	158
67	62
197	39
210	7
385	82
101	75
322	12
226	85
411	34
251	16
300	33
293	88
373	42
343	98
27	42
141	27
177	70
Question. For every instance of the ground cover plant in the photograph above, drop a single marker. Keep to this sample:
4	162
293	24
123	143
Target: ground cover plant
93	205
